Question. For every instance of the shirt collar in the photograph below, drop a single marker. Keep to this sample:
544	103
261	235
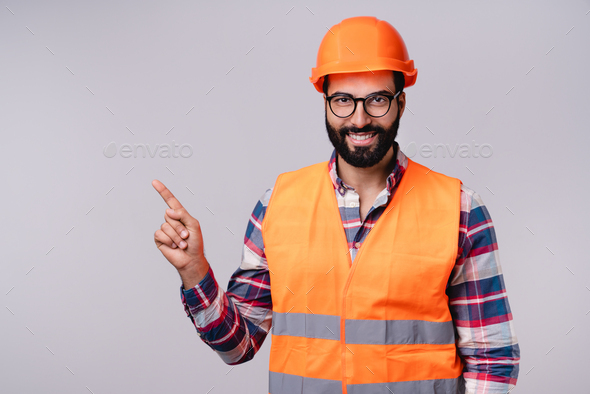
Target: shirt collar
393	179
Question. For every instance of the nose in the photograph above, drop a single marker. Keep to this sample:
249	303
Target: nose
359	117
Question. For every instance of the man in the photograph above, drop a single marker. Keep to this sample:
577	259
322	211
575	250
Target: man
377	274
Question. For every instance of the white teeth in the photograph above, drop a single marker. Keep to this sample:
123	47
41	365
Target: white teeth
361	137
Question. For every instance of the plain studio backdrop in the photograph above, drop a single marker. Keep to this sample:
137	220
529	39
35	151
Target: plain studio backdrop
91	93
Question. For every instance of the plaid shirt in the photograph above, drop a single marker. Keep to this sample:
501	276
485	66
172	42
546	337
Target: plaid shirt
235	323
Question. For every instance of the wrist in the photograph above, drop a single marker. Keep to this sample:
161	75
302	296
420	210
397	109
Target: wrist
193	273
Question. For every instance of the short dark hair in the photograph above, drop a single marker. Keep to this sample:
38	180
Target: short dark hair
398	80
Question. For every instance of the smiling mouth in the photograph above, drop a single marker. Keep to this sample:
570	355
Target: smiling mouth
361	137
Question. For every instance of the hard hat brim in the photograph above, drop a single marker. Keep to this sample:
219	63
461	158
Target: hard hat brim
407	68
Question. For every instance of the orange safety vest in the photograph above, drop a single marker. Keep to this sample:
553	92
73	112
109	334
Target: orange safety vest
379	325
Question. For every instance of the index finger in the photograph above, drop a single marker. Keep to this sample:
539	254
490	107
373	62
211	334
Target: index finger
166	195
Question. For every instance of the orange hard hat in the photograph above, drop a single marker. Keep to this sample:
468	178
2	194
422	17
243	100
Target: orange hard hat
362	44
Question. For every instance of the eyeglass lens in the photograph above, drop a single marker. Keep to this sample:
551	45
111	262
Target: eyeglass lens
344	106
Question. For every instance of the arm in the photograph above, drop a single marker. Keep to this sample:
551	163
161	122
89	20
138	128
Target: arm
479	305
235	323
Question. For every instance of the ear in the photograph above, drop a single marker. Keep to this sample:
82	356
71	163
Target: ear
402	103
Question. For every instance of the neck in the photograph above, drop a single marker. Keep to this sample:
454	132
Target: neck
370	178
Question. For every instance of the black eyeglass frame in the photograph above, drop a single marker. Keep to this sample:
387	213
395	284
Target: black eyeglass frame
363	99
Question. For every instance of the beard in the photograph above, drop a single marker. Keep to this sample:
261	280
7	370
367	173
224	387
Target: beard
363	156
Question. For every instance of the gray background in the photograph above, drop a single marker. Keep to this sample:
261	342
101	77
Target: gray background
91	305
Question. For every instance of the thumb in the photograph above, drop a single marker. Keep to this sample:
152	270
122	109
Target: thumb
173	214
184	217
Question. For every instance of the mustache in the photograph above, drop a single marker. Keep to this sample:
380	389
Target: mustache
366	129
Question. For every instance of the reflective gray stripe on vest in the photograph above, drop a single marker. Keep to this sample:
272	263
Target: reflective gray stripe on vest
306	325
364	332
281	383
436	386
399	332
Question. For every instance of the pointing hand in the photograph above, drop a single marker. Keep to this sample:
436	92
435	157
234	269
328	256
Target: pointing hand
180	239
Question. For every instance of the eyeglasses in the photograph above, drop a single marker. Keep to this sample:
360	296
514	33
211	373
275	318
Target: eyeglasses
375	105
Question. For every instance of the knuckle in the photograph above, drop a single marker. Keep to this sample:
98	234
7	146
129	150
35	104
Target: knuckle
161	237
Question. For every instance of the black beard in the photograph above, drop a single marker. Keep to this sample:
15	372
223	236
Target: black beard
363	156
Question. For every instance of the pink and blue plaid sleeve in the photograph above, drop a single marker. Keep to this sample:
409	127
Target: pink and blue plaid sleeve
235	323
479	305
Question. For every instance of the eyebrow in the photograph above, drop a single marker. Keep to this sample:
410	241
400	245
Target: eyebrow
348	94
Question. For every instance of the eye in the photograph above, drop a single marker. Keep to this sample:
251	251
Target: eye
341	100
377	100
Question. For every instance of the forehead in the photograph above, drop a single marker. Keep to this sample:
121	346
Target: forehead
361	83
